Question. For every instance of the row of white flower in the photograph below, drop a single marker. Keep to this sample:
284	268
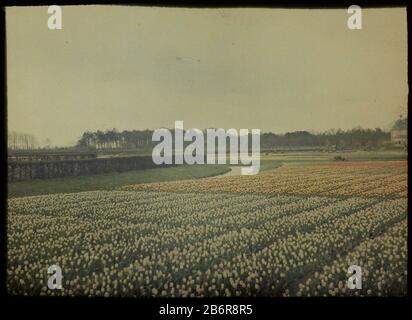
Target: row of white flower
384	268
177	244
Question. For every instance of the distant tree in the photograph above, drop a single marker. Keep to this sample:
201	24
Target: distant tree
21	141
356	138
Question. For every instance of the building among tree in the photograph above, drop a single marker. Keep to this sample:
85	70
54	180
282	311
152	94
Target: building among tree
399	133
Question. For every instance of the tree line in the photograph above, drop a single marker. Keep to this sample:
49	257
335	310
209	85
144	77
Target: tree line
357	138
21	141
112	139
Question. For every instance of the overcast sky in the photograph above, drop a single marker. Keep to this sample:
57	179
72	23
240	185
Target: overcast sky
276	70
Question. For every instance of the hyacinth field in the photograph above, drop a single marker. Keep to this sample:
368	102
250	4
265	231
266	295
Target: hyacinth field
290	231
